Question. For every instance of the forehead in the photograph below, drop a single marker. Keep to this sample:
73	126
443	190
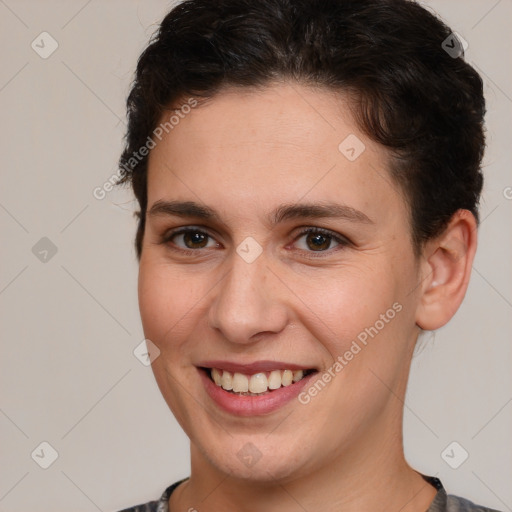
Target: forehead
247	150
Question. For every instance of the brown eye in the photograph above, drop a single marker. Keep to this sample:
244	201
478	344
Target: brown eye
191	239
195	240
318	241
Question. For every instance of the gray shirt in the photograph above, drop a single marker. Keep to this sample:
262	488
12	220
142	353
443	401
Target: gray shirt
442	502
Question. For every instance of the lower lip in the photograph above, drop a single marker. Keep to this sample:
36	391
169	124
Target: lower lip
241	405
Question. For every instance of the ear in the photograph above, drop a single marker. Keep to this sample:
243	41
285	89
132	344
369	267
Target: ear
446	268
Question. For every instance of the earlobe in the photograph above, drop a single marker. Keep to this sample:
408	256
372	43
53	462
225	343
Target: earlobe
447	263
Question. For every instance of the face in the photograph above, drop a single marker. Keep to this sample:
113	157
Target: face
274	244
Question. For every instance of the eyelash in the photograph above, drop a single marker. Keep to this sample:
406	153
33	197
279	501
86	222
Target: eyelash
340	240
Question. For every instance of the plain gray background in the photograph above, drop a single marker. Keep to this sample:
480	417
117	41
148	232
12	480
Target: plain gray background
70	322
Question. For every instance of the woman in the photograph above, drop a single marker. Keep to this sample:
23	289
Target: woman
308	175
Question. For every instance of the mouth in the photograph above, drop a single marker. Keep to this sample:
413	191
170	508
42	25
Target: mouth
253	389
257	383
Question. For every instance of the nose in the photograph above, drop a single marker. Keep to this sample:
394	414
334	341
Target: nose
248	302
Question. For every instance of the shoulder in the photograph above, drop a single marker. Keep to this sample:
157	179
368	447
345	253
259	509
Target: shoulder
444	502
457	504
151	506
161	505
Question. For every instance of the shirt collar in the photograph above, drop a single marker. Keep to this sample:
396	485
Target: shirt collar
438	505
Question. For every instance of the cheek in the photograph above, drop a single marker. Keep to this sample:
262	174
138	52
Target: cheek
343	303
167	306
167	302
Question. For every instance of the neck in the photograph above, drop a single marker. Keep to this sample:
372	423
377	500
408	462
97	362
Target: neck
369	476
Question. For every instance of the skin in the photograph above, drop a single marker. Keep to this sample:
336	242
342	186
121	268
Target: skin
244	154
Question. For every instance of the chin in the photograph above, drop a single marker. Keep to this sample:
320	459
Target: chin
256	458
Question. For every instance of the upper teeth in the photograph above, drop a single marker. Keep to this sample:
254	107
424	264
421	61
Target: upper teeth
257	383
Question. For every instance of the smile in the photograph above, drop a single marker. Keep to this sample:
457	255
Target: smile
258	383
253	389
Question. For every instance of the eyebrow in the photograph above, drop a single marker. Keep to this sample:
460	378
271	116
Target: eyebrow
321	210
182	209
191	209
